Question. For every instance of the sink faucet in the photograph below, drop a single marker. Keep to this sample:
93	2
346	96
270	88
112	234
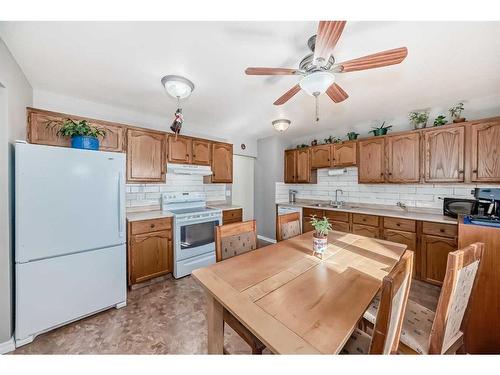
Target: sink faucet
336	197
401	205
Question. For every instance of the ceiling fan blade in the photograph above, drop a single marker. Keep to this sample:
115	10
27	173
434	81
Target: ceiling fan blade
287	95
270	71
327	37
336	93
377	60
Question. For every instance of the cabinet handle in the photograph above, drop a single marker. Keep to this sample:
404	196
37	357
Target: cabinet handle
390	174
460	172
474	171
398	225
152	225
441	230
382	174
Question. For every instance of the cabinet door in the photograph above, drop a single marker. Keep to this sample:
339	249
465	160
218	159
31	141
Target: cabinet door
222	162
146	156
371	160
344	154
114	138
201	152
150	256
303	166
365	230
403	158
179	149
320	156
434	251
485	152
290	166
341	226
306	225
406	238
444	155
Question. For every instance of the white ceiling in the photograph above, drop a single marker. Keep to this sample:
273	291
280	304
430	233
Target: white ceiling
121	63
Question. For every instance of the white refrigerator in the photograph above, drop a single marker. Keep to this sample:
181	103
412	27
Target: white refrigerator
70	252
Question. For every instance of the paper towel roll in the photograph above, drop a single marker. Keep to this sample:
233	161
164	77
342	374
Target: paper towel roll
337	172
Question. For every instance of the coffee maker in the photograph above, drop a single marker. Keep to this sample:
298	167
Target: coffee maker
487	207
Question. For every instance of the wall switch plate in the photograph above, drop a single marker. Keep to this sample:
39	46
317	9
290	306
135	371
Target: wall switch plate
228	193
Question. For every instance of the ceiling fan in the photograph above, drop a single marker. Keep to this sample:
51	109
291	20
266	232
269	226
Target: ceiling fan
318	69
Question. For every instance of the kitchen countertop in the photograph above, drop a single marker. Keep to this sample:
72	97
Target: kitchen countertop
382	210
148	215
223	206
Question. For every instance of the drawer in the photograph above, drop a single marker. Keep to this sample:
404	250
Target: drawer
399	224
365	230
308	212
439	229
232	216
341	226
365	219
146	226
337	215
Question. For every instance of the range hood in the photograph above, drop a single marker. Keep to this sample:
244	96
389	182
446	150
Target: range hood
200	170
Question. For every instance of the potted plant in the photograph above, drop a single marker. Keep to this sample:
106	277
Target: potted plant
314	142
320	235
352	136
382	130
83	135
456	111
419	119
440	120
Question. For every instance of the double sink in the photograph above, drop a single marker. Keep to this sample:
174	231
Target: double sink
345	206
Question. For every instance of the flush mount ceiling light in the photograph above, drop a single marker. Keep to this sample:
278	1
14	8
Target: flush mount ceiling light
177	86
281	124
317	83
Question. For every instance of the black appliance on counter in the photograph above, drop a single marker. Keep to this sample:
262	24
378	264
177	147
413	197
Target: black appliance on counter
487	210
459	206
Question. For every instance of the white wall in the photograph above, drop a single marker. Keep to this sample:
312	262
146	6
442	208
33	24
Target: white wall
413	195
268	171
19	94
243	185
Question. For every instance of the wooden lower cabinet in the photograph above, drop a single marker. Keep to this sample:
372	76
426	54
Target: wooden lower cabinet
341	226
407	238
149	252
434	253
366	230
232	216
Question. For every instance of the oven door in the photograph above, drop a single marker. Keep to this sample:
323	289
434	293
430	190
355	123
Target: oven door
195	237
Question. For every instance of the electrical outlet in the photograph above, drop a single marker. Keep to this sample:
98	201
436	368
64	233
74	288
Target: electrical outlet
228	193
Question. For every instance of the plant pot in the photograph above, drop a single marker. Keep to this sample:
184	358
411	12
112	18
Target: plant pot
320	243
352	137
85	142
460	119
419	125
378	132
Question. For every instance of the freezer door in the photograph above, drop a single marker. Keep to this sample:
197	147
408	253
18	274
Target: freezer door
55	291
67	201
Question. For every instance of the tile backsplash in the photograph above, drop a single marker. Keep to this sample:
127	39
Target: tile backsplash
413	195
148	195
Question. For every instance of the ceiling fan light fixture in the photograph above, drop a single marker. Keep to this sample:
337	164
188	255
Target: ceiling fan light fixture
281	125
317	83
177	86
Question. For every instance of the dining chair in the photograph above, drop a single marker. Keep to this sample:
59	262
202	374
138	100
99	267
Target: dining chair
288	226
233	240
427	332
394	296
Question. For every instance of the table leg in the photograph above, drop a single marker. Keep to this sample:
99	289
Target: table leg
215	322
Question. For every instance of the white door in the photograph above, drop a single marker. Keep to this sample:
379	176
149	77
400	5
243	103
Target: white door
243	189
67	201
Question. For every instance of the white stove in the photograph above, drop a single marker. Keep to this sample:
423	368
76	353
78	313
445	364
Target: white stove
194	230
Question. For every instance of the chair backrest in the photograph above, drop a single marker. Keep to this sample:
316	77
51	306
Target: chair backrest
288	226
393	299
458	286
235	239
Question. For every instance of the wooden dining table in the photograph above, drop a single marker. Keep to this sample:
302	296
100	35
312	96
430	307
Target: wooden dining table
293	301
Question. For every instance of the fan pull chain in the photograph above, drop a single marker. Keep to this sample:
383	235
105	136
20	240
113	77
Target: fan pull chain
317	108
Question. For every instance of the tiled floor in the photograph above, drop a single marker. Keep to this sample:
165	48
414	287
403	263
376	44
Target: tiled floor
163	318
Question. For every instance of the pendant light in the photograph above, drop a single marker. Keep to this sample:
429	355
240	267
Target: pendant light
281	125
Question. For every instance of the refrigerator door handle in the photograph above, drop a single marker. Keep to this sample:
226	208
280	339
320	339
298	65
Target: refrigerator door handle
120	204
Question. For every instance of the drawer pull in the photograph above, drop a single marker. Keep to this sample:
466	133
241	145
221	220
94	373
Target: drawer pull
398	225
152	225
441	230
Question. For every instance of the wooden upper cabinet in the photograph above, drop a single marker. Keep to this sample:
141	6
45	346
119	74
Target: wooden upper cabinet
371	163
43	126
222	162
444	155
290	166
403	157
344	154
202	152
485	152
146	152
179	149
303	166
320	156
